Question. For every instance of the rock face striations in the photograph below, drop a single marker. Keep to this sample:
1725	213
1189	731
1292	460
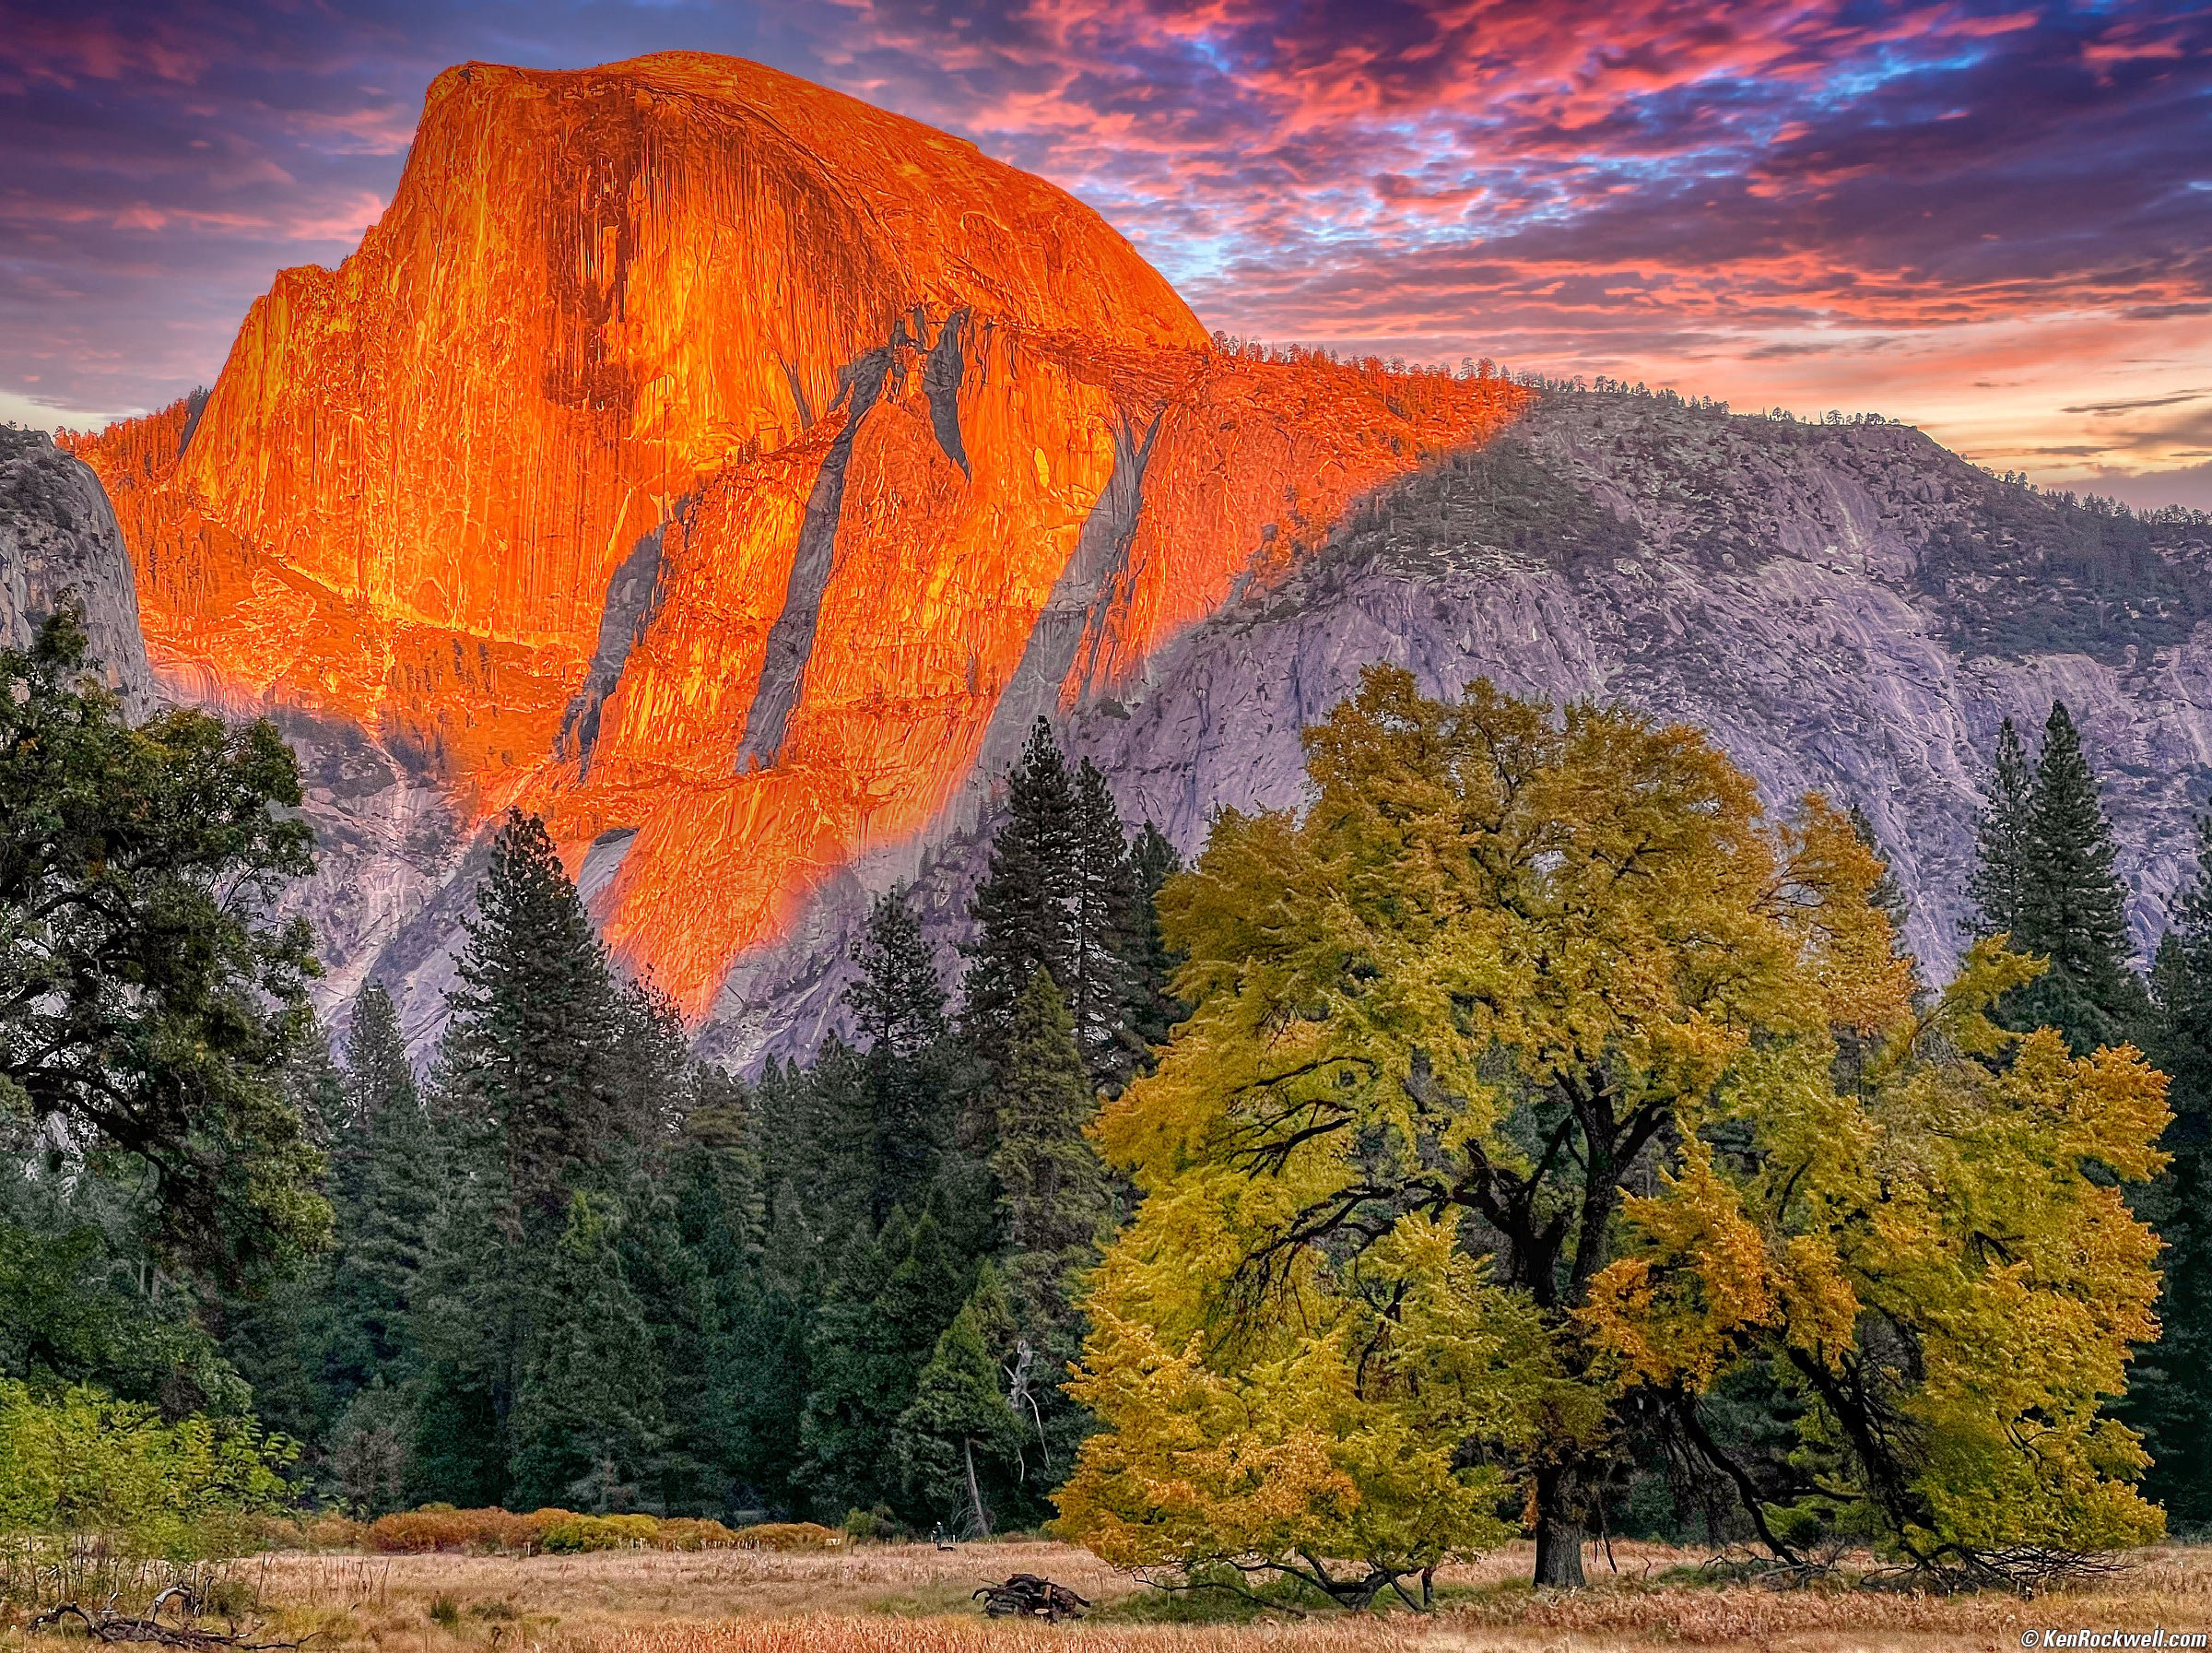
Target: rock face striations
724	469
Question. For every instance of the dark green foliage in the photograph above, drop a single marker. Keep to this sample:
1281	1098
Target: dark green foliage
899	1004
1065	894
381	1239
2073	907
1023	909
531	1051
2169	1394
959	1442
1152	1009
2045	876
587	1424
1052	1183
1057	1210
888	1301
149	1001
2001	842
1096	986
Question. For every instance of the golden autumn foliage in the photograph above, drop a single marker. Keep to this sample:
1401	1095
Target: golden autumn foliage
1937	1258
1537	1083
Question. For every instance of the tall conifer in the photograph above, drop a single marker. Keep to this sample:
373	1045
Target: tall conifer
2170	1392
2001	843
1024	908
536	1026
1152	1008
2071	906
899	1004
1097	984
587	1424
537	1098
384	1197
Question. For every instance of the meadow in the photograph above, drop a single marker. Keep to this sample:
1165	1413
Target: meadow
895	1597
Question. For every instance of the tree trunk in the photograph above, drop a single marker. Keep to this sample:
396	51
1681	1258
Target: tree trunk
982	1516
1559	1530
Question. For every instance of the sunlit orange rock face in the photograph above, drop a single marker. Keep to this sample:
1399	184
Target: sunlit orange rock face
725	469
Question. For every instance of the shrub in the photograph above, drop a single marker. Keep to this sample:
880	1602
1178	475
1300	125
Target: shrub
418	1531
789	1535
682	1532
580	1533
99	1497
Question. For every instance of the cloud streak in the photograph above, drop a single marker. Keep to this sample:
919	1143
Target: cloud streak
1966	214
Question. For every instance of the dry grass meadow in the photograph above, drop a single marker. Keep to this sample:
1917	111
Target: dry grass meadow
892	1598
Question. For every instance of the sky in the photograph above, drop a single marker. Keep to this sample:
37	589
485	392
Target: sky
1994	220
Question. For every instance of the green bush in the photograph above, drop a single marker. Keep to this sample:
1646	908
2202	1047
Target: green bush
100	1495
580	1533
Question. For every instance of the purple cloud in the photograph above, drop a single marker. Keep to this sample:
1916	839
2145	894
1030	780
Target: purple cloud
1818	201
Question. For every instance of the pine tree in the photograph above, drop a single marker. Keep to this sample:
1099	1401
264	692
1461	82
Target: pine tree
288	1338
2170	1392
1096	986
477	1297
960	1438
857	1381
2001	843
1152	1008
1055	1207
1023	908
382	1194
762	1376
676	1300
892	1296
536	1027
1051	1183
587	1419
899	1004
2072	907
535	1098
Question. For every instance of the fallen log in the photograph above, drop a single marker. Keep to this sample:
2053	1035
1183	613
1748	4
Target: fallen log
1027	1596
105	1624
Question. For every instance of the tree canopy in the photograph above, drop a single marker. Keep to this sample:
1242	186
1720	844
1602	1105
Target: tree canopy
1514	1028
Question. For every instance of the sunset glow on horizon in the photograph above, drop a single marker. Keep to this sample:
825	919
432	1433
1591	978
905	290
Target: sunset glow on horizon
1993	221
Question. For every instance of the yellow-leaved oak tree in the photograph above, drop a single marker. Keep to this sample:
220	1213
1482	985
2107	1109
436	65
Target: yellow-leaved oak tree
1477	1041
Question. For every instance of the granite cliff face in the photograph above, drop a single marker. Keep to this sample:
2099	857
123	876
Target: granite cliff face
58	542
730	472
724	469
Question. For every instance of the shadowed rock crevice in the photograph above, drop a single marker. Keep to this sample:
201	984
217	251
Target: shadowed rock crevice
634	595
941	375
791	639
1070	625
